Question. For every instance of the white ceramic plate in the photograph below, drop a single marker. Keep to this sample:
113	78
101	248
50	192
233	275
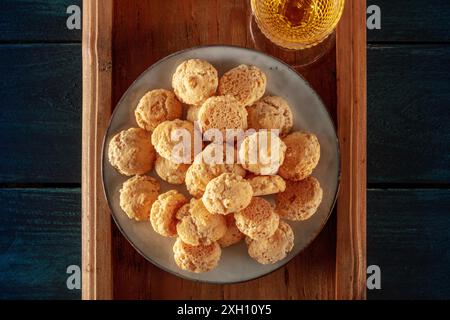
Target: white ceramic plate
309	114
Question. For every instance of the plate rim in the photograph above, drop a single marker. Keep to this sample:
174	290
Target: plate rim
108	200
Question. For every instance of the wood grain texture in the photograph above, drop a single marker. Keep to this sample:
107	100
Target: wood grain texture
351	118
36	20
40	113
412	21
39	239
409	240
96	218
408	114
402	21
142	35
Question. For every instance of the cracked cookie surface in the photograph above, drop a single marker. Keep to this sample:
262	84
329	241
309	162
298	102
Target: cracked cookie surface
271	112
198	226
274	248
196	259
228	193
137	196
131	152
194	81
157	106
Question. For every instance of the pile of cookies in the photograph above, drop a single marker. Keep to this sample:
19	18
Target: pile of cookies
227	203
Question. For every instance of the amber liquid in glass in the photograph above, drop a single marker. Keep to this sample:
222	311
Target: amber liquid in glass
295	13
297	24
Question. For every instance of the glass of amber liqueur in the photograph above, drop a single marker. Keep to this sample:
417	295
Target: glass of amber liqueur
298	24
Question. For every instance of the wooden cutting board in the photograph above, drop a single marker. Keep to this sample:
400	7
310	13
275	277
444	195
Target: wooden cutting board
123	38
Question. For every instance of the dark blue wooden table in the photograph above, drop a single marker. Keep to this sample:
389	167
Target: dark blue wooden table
408	221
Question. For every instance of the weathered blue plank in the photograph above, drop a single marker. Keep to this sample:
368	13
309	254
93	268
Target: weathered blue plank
408	237
40	236
412	20
408	114
36	20
40	114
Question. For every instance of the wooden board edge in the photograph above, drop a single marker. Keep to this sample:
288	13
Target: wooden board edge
96	219
351	107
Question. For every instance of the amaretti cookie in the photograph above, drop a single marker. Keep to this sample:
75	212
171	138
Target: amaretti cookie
232	235
258	220
169	171
174	140
274	248
131	152
209	164
300	200
194	81
262	153
137	197
196	259
157	106
302	155
246	84
227	193
271	112
199	226
266	185
163	213
222	113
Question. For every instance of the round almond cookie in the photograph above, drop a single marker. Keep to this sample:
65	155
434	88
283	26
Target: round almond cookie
300	200
258	220
163	213
245	83
131	152
302	156
228	193
214	160
222	113
199	226
194	81
175	141
274	248
196	259
262	153
271	112
266	185
192	113
137	197
157	106
233	235
173	173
